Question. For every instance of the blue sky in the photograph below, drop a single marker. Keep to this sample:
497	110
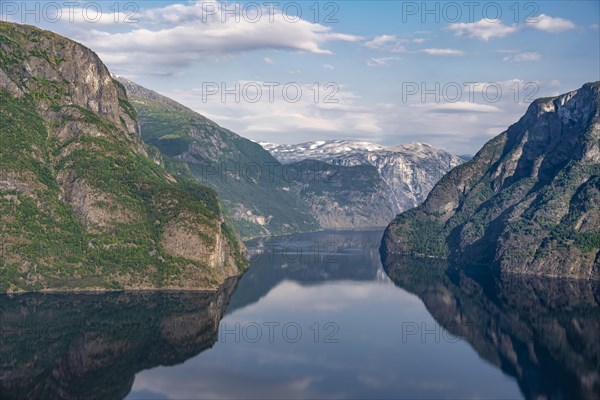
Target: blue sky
370	62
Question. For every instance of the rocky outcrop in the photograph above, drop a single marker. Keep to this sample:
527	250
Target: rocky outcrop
54	70
82	206
526	203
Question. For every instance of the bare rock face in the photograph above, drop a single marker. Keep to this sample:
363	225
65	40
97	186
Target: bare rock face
384	180
53	67
77	183
194	240
526	203
343	197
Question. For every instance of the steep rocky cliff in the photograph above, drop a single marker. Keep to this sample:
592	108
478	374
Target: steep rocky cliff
82	206
528	202
342	197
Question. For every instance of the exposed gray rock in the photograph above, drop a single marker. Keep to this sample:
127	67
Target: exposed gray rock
408	172
528	202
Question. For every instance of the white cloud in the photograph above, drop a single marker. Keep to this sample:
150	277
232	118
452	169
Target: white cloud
594	27
549	24
460	107
524	57
443	52
483	29
328	66
389	43
460	125
334	113
198	39
486	29
380	62
419	40
178	35
268	60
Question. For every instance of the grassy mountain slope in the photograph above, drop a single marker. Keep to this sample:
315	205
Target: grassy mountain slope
252	184
82	206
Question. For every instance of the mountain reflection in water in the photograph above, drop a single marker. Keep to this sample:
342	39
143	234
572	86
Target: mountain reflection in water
84	346
431	331
544	332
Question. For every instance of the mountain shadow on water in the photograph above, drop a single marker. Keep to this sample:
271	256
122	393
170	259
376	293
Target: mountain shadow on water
543	332
80	346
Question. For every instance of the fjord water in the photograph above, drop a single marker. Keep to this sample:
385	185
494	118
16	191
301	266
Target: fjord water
378	340
315	316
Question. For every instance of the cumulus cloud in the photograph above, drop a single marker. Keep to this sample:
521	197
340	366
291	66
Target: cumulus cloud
550	24
483	29
524	57
178	35
443	52
200	40
389	43
486	29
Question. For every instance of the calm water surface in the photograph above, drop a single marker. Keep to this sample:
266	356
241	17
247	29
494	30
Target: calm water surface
315	316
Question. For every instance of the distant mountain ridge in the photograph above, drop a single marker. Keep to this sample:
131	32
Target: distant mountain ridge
321	150
409	171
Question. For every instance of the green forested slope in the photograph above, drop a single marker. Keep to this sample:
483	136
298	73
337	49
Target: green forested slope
82	206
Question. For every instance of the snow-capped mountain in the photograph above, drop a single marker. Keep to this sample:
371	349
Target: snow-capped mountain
321	150
410	170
